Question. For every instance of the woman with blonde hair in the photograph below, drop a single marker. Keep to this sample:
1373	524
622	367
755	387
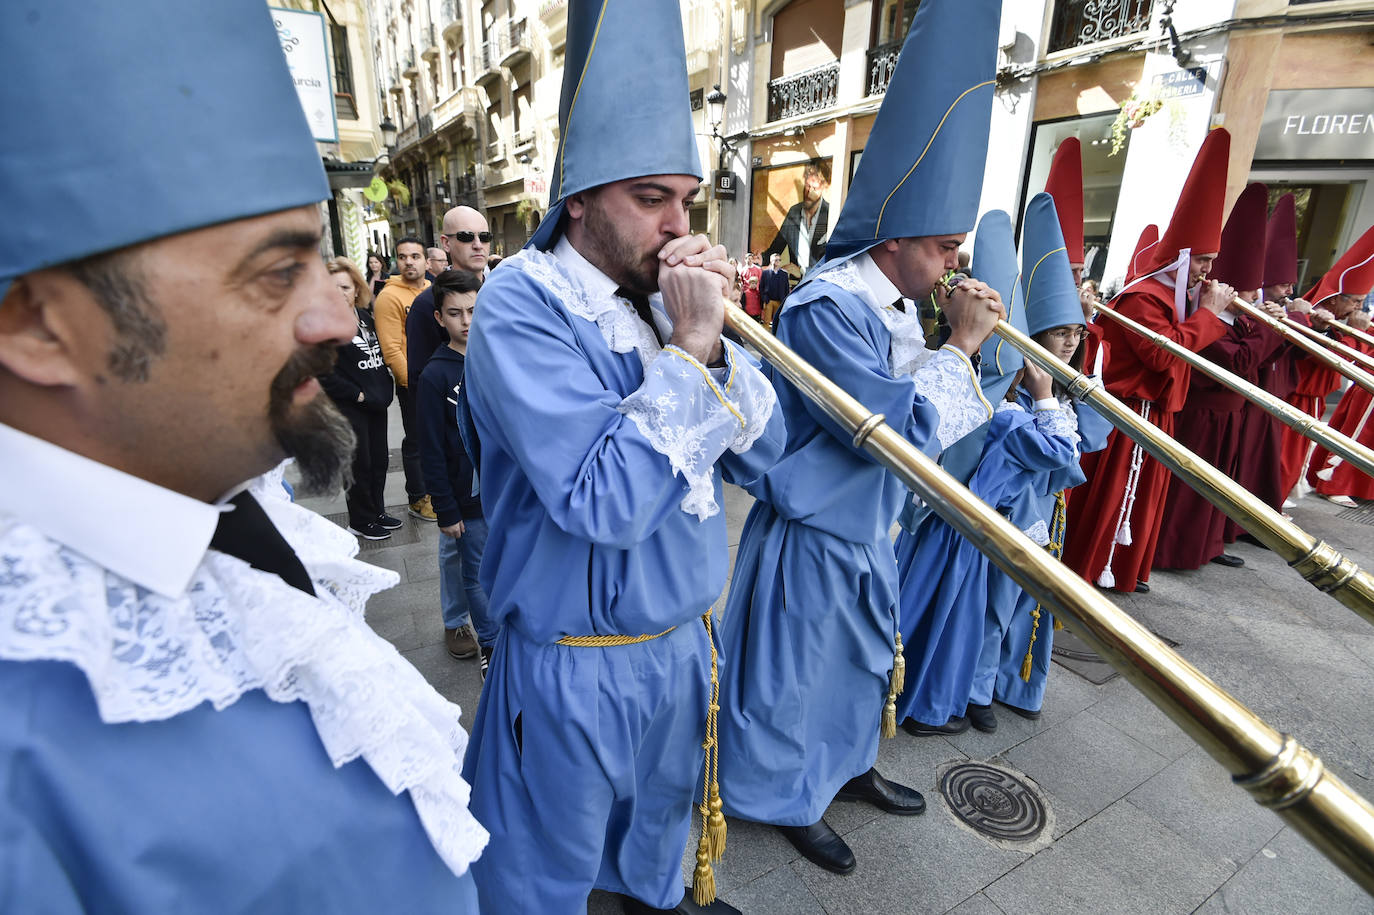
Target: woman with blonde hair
361	387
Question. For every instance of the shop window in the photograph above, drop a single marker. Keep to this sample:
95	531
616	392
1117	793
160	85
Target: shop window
1102	173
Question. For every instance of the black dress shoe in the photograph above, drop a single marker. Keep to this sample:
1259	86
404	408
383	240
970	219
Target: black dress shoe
883	794
821	845
921	729
981	717
687	906
1226	559
1142	588
1023	712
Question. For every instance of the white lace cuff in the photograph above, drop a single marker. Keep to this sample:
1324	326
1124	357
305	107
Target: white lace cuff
949	382
1059	421
752	393
688	419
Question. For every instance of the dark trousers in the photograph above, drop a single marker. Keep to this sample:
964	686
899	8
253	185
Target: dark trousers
410	446
366	499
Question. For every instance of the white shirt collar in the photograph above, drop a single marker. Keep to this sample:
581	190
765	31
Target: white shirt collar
584	271
152	536
884	292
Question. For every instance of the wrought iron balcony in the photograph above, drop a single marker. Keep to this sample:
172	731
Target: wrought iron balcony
1080	22
882	60
809	90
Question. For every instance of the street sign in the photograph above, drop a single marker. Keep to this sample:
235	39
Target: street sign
723	180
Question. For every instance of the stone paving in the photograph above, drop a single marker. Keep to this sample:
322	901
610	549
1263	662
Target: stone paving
1142	820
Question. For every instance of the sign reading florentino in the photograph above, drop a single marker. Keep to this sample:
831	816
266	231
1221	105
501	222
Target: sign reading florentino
302	40
1317	124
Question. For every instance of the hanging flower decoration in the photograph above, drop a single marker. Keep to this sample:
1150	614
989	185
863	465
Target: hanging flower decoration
1136	110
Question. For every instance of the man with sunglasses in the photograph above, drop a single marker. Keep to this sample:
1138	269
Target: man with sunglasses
468	242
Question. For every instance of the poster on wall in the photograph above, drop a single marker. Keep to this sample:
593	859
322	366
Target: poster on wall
302	41
789	215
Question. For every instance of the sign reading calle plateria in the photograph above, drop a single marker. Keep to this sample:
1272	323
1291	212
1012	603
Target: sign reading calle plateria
1317	124
303	43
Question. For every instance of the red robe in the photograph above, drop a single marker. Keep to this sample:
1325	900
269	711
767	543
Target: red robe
1354	417
1316	382
1193	530
1154	384
1259	466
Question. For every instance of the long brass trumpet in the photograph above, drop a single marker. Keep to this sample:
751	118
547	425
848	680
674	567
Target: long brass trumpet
1279	772
1321	353
1347	329
1304	424
1318	562
1345	352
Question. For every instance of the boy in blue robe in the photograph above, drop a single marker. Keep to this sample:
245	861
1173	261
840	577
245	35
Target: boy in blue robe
196	717
810	625
609	411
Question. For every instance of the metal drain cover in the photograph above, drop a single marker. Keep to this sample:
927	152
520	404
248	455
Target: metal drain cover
993	801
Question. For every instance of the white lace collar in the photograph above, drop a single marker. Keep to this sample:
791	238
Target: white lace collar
590	294
150	656
860	276
157	536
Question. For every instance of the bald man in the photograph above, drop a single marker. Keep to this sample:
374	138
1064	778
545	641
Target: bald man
467	240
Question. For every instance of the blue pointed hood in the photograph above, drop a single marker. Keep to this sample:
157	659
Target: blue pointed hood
111	147
1051	297
994	262
922	167
625	110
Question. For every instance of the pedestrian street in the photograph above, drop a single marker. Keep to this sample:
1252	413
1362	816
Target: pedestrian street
1137	819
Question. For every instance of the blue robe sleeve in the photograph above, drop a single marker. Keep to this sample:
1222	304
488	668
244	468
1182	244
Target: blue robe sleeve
932	409
767	436
618	464
1092	428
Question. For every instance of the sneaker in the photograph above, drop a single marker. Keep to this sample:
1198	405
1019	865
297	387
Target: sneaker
370	531
423	510
388	522
485	654
461	643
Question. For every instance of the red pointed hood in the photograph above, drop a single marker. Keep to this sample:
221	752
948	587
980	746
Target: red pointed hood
1196	223
1281	243
1353	274
1144	248
1065	185
1240	263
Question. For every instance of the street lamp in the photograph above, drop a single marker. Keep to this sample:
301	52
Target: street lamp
715	104
388	130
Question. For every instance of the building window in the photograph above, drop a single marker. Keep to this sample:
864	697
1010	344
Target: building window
1079	22
805	70
343	66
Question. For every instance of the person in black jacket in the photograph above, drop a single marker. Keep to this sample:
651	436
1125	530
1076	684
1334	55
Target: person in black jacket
361	386
449	473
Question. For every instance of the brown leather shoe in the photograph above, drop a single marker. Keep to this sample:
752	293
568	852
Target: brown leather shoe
461	643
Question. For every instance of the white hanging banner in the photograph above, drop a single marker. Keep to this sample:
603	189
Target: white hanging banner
307	54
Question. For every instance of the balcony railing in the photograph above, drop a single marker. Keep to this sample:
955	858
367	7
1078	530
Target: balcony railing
882	60
800	93
452	22
1079	22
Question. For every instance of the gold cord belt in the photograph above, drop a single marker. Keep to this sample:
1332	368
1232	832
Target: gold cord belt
712	844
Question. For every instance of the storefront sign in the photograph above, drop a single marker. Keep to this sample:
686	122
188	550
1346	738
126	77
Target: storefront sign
537	186
1317	124
302	40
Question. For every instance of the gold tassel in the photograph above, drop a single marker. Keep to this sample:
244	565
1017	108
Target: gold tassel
1035	626
712	843
899	667
1057	625
890	715
704	877
715	824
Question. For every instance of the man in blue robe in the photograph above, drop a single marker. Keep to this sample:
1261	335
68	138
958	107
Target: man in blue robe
196	717
810	627
608	411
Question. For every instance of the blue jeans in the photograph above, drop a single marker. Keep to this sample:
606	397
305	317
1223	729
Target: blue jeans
460	592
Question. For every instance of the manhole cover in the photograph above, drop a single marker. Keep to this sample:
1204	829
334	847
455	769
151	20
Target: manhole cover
993	801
